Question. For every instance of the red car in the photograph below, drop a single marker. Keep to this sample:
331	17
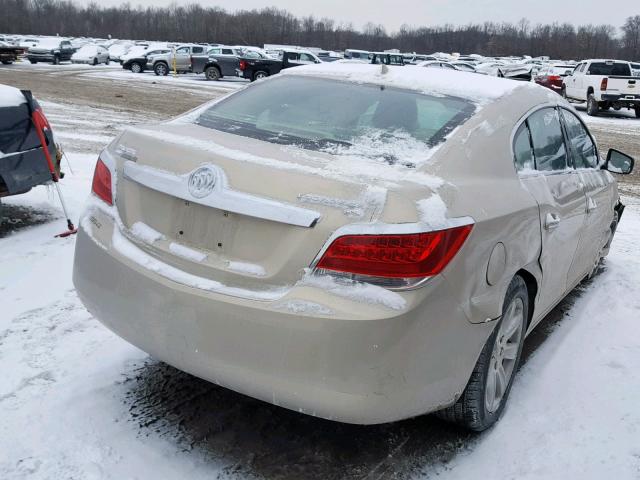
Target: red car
552	76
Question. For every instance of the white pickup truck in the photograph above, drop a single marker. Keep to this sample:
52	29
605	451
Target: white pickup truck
603	84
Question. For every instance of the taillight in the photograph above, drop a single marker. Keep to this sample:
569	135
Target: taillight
414	255
604	83
555	78
101	185
243	65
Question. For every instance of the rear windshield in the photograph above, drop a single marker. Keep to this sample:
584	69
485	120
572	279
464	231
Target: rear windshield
340	117
610	68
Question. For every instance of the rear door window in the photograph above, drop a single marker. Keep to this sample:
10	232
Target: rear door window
198	49
583	149
547	140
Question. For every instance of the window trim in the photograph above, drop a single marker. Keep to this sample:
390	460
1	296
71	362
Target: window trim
524	118
568	142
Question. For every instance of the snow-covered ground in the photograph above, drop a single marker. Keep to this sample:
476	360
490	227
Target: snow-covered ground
70	390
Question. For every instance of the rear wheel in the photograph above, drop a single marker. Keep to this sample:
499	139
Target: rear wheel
7	62
136	67
33	61
161	69
637	112
212	73
95	61
592	106
485	396
605	106
106	62
260	74
564	93
56	60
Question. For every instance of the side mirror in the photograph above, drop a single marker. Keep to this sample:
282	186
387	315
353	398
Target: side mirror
618	162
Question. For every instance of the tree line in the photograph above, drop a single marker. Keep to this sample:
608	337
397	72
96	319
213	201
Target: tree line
194	23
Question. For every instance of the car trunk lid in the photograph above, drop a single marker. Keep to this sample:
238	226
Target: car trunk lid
234	209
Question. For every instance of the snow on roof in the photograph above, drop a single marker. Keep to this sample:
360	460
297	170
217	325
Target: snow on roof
478	88
11	97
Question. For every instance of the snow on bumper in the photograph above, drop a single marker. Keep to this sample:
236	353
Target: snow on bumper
311	350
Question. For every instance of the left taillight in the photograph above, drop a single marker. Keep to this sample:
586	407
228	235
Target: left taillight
101	185
393	256
604	84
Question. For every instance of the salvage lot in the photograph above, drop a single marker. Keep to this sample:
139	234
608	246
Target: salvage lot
78	402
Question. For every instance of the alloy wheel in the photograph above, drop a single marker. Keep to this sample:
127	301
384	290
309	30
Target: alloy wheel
504	355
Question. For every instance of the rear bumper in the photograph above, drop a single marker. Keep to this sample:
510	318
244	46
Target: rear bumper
351	362
626	99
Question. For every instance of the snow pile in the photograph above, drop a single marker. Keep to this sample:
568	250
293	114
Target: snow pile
186	252
356	291
431	81
433	212
145	233
11	97
247	268
397	147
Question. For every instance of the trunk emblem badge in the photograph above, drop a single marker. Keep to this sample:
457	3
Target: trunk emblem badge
202	181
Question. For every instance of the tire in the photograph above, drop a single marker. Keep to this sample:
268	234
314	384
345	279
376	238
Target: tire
7	62
592	106
564	93
95	61
259	75
161	69
106	62
136	67
212	73
56	60
637	112
33	61
481	405
604	107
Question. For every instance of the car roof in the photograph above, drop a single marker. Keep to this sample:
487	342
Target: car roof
478	88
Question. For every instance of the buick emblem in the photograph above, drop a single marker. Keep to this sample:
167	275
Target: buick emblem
202	181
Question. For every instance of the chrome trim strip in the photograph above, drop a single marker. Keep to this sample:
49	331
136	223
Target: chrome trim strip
221	197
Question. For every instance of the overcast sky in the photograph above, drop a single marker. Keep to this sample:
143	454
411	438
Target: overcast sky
393	13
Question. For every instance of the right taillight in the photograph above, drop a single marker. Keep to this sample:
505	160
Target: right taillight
243	65
394	256
101	185
604	83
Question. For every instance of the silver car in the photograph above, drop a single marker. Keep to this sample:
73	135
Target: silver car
361	243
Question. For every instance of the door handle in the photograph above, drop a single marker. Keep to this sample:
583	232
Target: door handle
551	221
591	205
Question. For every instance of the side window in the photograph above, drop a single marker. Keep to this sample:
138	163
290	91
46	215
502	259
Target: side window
582	147
215	51
227	51
198	49
547	140
183	50
522	149
306	57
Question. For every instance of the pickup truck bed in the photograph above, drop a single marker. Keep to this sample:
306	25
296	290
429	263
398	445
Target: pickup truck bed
215	67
